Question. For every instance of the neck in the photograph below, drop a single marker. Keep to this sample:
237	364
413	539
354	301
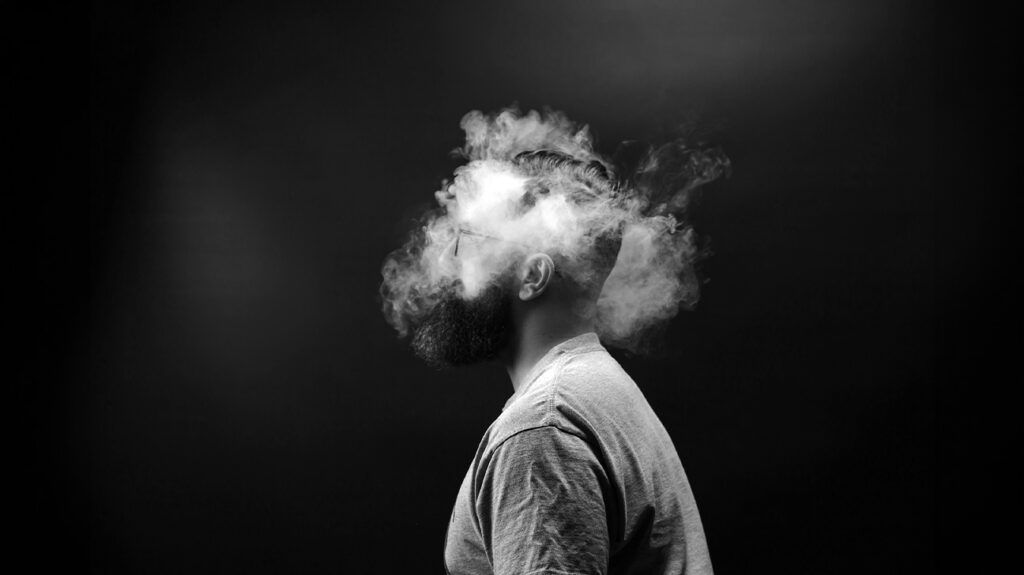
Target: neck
535	338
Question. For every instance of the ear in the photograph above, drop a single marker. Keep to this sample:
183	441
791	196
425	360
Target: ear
535	273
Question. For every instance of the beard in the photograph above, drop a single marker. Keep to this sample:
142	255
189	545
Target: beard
461	332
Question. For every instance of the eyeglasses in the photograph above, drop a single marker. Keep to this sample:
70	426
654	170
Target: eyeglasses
463	231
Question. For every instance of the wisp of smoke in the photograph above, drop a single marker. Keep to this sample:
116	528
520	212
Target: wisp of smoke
534	183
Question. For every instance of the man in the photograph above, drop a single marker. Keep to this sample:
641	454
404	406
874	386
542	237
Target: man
577	475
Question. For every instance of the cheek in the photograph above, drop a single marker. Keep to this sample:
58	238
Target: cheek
477	273
473	279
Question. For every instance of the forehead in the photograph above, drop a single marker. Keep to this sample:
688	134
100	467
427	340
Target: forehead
483	191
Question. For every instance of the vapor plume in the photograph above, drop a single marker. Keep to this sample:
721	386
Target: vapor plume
533	182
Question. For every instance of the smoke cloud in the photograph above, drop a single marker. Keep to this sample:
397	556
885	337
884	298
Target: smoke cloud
534	183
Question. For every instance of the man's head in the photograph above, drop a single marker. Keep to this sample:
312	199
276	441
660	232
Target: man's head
535	284
535	224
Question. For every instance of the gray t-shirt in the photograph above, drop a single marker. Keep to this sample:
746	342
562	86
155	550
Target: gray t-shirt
576	476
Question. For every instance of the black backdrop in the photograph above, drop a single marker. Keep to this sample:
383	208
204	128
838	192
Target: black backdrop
218	391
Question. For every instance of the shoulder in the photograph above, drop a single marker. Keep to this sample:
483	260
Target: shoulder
592	387
539	455
568	397
592	369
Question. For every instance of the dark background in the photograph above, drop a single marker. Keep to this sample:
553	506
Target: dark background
205	383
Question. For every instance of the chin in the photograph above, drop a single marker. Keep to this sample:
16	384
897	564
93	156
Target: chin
460	332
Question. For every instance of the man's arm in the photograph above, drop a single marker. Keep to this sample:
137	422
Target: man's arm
540	506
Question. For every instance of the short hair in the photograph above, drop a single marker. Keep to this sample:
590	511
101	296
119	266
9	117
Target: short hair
583	182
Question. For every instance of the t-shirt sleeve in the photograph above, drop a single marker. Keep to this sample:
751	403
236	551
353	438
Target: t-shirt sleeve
541	508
